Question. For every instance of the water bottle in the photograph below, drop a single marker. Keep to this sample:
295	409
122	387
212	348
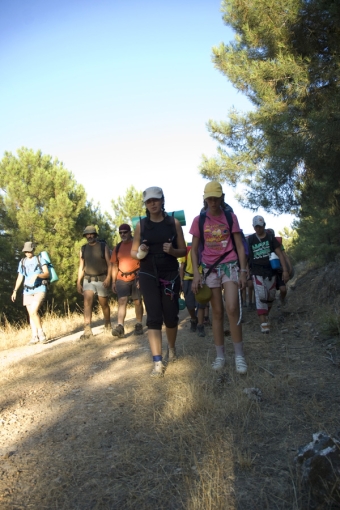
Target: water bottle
274	261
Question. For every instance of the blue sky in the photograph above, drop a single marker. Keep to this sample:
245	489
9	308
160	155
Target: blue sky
120	92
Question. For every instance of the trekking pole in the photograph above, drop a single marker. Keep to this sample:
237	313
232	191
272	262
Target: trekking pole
240	305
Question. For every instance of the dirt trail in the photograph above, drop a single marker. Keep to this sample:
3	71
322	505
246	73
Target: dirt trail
83	426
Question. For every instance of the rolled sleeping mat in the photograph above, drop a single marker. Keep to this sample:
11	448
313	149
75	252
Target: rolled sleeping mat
179	215
53	275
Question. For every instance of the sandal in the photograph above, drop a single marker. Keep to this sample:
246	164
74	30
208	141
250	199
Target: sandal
265	327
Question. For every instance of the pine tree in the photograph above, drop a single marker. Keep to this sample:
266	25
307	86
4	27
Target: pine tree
126	207
285	59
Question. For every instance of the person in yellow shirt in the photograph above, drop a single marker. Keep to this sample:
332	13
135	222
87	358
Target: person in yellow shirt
187	275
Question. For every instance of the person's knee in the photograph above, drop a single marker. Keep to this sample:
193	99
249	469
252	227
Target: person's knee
232	310
154	324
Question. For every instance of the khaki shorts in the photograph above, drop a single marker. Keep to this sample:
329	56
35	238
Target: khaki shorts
34	299
96	287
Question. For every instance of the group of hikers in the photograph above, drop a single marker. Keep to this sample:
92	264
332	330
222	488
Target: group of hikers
155	265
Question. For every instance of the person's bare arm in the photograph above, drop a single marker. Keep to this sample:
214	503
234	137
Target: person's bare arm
139	249
107	281
285	274
197	280
242	260
18	282
81	271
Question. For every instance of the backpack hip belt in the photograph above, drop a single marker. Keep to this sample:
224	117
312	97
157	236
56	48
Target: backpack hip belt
135	272
95	277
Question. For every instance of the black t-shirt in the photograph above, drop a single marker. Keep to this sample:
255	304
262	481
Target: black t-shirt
260	249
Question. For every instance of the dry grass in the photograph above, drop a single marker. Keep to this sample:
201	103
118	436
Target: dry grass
54	325
85	427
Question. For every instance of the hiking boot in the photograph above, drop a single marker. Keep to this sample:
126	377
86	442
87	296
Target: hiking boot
34	340
241	365
158	369
193	325
87	333
200	330
42	337
138	328
118	331
171	355
218	364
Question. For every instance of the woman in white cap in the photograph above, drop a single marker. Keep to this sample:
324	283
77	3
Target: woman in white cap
224	265
33	271
157	244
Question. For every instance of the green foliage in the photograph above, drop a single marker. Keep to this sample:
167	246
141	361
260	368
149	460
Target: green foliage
42	202
126	207
285	59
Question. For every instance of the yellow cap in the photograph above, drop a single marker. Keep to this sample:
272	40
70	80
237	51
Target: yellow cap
213	189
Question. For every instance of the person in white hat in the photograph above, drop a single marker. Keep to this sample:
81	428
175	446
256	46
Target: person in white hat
157	244
33	272
224	265
261	245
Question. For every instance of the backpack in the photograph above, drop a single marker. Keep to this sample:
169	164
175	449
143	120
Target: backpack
53	277
227	212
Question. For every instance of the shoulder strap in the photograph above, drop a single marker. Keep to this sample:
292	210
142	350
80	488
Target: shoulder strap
23	267
201	222
39	263
102	247
83	251
117	249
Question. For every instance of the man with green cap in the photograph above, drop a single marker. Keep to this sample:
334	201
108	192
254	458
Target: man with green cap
94	278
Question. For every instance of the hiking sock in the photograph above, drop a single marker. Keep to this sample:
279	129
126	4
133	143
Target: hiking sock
220	351
40	332
238	348
157	358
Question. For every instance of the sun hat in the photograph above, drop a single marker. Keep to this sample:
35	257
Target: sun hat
124	226
258	220
153	192
213	189
203	295
28	246
90	229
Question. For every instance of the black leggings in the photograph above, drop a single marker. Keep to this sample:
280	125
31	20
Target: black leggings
159	306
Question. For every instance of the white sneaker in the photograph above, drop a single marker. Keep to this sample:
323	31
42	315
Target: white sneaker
34	340
158	369
241	365
41	336
218	364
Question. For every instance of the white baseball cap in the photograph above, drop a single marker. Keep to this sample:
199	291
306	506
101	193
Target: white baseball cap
258	220
153	192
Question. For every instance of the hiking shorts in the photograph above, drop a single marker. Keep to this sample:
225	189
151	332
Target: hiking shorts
128	289
215	280
189	296
34	299
265	292
96	287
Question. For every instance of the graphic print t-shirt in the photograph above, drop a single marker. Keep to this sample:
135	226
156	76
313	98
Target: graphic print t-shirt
31	267
261	249
217	238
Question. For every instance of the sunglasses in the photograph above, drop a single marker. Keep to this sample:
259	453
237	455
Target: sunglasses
122	232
